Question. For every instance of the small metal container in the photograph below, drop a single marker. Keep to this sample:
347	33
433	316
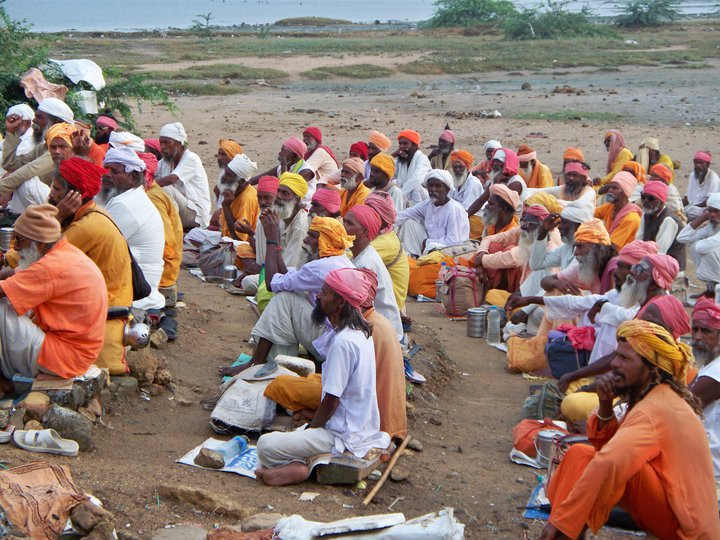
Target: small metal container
545	444
476	322
438	290
230	274
6	236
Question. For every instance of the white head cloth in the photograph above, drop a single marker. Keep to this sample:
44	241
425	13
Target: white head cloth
57	108
439	174
578	213
23	110
118	139
174	131
124	156
492	145
242	166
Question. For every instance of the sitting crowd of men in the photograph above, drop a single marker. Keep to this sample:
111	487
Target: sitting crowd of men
335	245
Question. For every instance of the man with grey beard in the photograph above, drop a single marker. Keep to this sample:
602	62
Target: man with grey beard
353	191
703	235
567	223
575	192
706	386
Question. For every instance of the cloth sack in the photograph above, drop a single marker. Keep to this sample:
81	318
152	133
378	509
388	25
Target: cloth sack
544	403
461	290
215	254
562	357
525	432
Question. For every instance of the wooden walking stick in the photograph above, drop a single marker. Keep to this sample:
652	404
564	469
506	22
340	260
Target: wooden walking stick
388	470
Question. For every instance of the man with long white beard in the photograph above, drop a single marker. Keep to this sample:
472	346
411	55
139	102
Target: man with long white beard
123	197
502	260
64	290
467	188
659	223
353	191
706	386
438	222
703	235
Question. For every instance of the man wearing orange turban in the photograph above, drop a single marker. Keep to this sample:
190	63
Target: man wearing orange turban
654	463
287	319
468	188
621	217
411	167
535	173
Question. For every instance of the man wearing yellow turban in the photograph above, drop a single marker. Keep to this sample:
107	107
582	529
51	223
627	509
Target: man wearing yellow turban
382	170
295	182
288	318
654	463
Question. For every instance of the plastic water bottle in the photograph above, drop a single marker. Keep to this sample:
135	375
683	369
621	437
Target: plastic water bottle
440	281
493	325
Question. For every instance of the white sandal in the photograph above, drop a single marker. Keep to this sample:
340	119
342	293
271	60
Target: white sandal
47	441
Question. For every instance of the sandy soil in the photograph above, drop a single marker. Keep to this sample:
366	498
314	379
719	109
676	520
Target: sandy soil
465	415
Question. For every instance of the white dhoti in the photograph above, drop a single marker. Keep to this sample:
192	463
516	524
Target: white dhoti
21	341
287	322
250	284
276	449
707	267
412	234
188	216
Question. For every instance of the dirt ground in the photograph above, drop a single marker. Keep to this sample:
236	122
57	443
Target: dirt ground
465	414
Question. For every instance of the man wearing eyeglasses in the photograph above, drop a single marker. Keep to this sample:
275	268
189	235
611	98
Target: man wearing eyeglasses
660	224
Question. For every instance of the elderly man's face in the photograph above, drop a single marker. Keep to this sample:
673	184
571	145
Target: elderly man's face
458	168
497	165
222	159
406	147
567	230
41	122
444	147
318	210
574	180
310	141
117	178
348	178
651	204
529	223
705	342
102	133
60	150
583	250
437	191
169	148
713	216
285	202
312	241
265	200
352	225
622	271
699	166
614	193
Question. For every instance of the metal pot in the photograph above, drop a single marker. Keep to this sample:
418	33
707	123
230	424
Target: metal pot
476	322
544	444
136	334
6	236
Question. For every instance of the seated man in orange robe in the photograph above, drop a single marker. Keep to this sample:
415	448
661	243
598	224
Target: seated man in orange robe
654	463
621	217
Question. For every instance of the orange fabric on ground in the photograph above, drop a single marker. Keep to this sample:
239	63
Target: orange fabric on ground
358	197
476	227
172	225
541	177
624	232
295	393
67	292
389	376
244	206
94	233
641	464
423	276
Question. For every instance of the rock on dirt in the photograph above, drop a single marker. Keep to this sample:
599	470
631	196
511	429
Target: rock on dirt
70	425
204	500
36	405
144	365
415	445
184	532
124	388
258	522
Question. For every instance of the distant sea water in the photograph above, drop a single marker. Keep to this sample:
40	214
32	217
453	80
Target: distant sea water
129	15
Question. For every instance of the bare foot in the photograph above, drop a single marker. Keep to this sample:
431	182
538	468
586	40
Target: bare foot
232	371
292	473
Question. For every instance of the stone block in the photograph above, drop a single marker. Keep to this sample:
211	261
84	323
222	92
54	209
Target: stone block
36	405
70	425
345	470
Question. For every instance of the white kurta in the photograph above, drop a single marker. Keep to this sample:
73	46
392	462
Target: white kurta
396	195
385	303
468	193
443	226
32	191
193	184
141	225
711	413
409	178
705	251
560	257
698	193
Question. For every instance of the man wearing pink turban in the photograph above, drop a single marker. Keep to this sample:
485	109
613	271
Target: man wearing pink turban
706	386
326	202
505	167
702	183
291	159
621	217
364	224
348	418
659	223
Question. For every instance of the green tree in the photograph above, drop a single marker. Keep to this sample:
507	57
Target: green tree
551	21
469	12
639	13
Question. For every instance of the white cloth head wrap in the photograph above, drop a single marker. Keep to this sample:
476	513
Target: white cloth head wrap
492	145
713	201
500	155
174	131
57	108
439	174
578	213
23	110
118	139
242	166
125	156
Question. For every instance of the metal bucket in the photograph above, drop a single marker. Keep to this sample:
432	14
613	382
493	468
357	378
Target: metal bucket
476	322
230	274
544	444
560	448
6	236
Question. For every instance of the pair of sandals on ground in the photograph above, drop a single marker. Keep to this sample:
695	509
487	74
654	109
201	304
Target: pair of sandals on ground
46	441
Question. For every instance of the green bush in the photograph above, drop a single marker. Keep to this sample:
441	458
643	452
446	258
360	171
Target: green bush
552	22
639	13
469	12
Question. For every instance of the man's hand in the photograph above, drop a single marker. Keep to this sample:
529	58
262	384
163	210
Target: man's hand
685	201
81	143
596	181
548	224
516	301
13	123
603	189
605	389
595	310
567	287
271	226
69	204
519	317
242	226
550	532
564	382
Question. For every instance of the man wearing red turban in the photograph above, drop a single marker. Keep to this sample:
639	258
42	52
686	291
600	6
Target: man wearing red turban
659	223
92	230
440	155
702	183
318	156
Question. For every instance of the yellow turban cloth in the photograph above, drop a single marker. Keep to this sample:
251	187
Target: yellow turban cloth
547	201
333	238
62	130
230	148
296	183
385	163
657	346
592	232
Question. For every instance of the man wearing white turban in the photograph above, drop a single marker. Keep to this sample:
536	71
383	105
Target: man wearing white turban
123	197
439	221
182	175
703	235
32	191
118	139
